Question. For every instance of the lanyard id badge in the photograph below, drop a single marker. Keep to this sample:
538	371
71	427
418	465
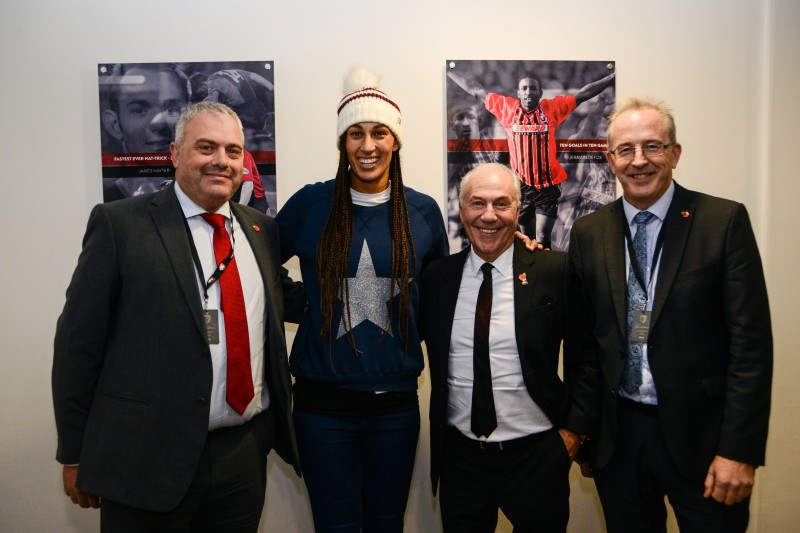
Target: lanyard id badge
211	322
641	325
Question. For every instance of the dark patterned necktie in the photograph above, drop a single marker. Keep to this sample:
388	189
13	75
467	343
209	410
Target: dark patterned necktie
484	419
637	300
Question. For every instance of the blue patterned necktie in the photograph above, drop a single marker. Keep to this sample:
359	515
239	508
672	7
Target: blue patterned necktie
637	299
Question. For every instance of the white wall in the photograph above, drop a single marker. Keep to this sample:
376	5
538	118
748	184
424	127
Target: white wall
730	69
778	506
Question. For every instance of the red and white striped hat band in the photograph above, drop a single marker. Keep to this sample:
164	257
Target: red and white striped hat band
369	105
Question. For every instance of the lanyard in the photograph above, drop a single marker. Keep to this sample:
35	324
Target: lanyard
632	255
206	284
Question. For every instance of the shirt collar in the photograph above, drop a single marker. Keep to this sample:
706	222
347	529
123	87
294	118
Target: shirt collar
659	209
503	263
191	209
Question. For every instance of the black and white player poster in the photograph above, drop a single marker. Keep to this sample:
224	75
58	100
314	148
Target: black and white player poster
140	104
547	120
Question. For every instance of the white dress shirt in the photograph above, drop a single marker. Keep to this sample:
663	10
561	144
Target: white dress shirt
647	390
221	414
517	414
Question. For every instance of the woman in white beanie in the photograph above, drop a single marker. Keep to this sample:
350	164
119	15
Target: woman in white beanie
362	240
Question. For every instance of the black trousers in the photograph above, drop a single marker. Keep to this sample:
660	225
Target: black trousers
641	473
528	479
226	494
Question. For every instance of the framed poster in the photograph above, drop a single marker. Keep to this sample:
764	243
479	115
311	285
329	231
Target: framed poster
140	104
547	120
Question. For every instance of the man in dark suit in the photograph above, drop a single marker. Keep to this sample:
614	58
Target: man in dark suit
500	360
684	346
168	392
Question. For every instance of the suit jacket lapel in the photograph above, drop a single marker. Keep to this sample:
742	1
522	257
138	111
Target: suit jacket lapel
448	296
675	237
171	226
523	291
259	246
615	260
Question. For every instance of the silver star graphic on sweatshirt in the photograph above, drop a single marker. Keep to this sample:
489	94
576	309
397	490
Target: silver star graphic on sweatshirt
368	296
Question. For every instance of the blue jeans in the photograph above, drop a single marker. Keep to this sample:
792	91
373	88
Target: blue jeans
357	470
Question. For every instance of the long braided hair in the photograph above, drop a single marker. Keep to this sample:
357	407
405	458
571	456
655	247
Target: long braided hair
333	250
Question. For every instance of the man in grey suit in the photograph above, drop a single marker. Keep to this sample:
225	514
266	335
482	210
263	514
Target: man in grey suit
168	392
504	427
670	297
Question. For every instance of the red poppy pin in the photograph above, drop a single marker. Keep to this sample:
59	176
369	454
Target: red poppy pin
523	278
255	227
685	214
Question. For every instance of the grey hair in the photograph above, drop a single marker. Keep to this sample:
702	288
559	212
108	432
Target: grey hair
497	167
646	102
203	107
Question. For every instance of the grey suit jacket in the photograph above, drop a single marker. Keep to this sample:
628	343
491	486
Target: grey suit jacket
132	370
539	324
710	342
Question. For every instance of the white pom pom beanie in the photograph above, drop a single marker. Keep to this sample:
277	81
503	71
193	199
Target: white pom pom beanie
363	102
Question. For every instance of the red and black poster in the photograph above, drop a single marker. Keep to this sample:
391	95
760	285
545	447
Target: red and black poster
547	120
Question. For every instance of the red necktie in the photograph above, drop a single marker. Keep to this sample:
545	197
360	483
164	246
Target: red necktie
239	389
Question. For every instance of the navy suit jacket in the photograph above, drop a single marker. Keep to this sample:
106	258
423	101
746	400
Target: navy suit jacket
710	342
132	370
539	313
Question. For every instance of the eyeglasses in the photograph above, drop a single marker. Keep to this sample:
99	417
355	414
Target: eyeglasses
649	150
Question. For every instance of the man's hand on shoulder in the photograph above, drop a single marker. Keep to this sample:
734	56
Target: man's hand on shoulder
531	245
729	481
77	496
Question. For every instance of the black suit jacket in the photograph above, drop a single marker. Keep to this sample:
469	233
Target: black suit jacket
132	370
539	310
710	342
